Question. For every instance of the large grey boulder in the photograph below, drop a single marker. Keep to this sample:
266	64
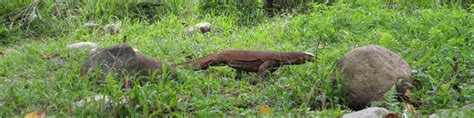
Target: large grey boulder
369	72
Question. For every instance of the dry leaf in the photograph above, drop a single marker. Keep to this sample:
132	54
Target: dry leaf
321	46
408	94
410	107
265	109
35	115
125	82
391	115
49	56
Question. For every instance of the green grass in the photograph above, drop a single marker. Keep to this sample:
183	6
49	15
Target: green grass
428	38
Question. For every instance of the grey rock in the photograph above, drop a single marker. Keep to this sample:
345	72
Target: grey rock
370	71
82	45
100	101
202	27
373	112
91	26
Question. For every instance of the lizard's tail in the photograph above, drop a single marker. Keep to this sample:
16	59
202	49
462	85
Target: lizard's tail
196	62
181	64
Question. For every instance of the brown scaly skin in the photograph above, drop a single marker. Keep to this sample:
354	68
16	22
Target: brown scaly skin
260	62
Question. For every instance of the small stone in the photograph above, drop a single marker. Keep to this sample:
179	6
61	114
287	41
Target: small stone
112	28
102	99
370	71
82	45
373	112
204	27
96	98
91	26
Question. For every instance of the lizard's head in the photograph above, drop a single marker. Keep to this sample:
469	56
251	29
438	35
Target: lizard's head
308	57
300	57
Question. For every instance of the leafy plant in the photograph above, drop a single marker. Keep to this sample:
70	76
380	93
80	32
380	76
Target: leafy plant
248	12
390	101
3	35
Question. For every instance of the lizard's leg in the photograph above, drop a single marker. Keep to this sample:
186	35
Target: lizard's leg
239	73
264	69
